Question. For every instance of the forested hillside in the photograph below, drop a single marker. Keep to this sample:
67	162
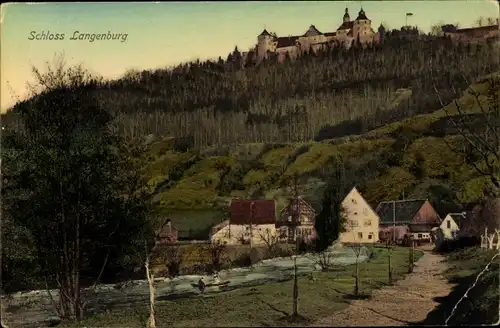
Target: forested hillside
334	93
371	118
247	130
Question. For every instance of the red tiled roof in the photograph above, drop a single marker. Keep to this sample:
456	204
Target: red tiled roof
346	26
261	212
286	41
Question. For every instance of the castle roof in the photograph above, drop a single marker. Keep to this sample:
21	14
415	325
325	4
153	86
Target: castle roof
346	26
312	31
361	15
265	33
346	15
286	41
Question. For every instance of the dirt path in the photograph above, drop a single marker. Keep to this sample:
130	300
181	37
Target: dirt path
408	301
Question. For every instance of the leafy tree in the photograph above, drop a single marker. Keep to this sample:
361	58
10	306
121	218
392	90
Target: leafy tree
330	222
72	185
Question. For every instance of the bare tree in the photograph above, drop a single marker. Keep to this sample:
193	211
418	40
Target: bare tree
479	129
217	251
172	256
58	75
357	248
295	303
152	292
480	21
271	242
390	248
411	255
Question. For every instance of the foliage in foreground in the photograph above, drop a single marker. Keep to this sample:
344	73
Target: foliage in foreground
481	304
72	194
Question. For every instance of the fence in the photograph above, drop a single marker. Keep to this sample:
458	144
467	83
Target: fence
490	240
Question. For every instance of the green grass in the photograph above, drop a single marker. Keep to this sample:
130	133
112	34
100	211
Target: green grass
266	305
198	186
481	305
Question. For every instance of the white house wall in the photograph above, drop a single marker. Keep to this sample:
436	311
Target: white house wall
232	234
362	221
449	233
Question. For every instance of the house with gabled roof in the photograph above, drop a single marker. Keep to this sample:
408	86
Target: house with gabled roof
167	234
449	228
252	221
410	217
296	221
362	222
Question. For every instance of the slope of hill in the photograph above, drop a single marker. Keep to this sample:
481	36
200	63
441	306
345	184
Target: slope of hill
411	158
324	96
250	129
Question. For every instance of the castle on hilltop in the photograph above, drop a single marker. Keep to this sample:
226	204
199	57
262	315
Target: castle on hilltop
358	30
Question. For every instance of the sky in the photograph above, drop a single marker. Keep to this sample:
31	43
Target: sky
164	34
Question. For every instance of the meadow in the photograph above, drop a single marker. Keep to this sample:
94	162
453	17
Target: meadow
320	294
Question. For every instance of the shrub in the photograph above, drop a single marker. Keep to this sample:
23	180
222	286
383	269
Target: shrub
460	243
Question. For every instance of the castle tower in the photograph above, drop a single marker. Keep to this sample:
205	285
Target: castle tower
361	27
263	44
347	18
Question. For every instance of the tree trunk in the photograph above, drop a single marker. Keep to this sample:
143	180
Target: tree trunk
356	280
390	265
295	289
151	321
410	258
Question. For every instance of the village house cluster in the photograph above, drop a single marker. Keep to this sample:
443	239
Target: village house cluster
256	222
357	30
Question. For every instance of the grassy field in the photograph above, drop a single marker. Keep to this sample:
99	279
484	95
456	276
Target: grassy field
481	305
320	294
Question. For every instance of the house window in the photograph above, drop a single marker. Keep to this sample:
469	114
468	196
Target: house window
419	236
368	223
353	223
360	235
353	201
355	213
448	224
370	235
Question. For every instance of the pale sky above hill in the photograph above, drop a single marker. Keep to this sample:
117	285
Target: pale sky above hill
164	34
